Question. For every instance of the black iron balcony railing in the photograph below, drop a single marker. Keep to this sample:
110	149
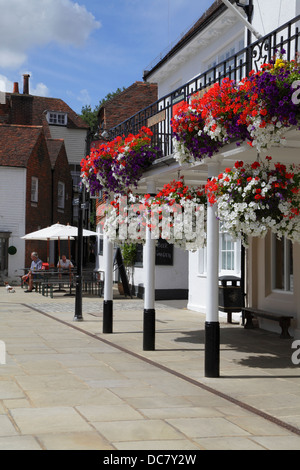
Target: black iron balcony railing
158	115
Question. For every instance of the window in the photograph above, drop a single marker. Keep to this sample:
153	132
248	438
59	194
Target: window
229	255
227	252
224	55
282	264
61	195
75	173
202	261
100	240
34	189
57	118
139	256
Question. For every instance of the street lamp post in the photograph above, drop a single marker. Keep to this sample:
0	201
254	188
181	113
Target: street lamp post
78	296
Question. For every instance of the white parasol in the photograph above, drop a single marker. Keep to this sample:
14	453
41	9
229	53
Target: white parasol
58	232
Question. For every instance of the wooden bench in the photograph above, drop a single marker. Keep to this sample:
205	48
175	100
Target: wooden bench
91	284
59	281
248	313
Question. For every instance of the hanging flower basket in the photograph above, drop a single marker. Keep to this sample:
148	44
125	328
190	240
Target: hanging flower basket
118	165
268	101
190	140
125	219
254	198
176	214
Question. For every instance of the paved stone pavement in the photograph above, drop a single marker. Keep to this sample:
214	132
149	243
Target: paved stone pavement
66	385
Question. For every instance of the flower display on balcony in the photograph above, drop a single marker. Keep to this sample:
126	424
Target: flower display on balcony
177	214
190	140
268	101
254	198
259	109
118	165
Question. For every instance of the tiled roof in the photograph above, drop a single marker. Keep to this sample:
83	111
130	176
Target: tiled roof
40	104
17	143
54	147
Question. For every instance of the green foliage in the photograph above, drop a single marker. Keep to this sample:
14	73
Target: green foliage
129	253
90	116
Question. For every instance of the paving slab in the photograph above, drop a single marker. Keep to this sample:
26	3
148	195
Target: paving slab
67	385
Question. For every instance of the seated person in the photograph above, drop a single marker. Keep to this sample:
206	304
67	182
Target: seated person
36	265
64	263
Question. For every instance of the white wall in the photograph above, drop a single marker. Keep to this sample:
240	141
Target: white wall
193	60
263	295
197	283
167	277
12	215
74	142
270	14
185	67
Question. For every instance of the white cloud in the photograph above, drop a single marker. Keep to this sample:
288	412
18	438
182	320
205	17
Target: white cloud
27	24
83	96
5	84
39	90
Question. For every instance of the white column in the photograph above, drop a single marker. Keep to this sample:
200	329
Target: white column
212	326
108	268
149	285
212	311
108	286
149	263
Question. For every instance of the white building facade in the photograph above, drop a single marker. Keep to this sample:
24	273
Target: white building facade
213	48
12	220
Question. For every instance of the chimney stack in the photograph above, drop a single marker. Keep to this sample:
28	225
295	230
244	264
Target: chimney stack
16	87
26	83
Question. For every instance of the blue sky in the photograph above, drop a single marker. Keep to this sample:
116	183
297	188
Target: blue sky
81	51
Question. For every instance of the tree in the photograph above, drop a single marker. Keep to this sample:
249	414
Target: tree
90	116
129	257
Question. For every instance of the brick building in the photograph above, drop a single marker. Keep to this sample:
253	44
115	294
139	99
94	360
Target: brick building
125	104
137	96
42	141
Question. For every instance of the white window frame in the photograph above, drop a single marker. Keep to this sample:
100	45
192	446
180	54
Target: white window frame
236	271
57	118
236	251
202	261
34	189
61	191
